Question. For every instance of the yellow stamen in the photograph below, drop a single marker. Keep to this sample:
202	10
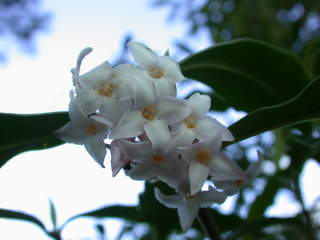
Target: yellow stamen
157	158
203	157
149	112
92	129
188	196
155	73
106	90
190	121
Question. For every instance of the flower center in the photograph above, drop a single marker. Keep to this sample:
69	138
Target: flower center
149	112
190	121
92	129
238	182
203	157
155	73
106	90
188	196
157	158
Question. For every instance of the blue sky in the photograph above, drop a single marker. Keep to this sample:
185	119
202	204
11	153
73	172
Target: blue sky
40	83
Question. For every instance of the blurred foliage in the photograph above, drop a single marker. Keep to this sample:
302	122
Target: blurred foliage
288	24
21	21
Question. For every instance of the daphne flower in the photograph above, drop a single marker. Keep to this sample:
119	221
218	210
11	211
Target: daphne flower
188	206
160	159
230	182
136	121
99	90
203	126
84	130
163	71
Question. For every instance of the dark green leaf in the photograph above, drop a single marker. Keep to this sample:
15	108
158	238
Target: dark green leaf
304	107
53	214
248	74
24	132
15	215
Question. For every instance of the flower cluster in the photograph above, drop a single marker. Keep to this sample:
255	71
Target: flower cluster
154	134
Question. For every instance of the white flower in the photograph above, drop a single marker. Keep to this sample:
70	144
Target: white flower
163	71
201	157
188	206
160	159
99	90
203	126
135	121
84	130
230	182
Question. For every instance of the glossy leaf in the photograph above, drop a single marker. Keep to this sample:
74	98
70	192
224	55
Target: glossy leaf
16	215
24	132
304	107
248	74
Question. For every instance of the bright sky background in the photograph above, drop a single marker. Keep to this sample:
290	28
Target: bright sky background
40	83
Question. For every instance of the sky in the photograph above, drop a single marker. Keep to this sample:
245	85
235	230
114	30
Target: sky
41	83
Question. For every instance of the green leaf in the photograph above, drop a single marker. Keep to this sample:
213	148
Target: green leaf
248	74
24	132
304	107
15	215
53	214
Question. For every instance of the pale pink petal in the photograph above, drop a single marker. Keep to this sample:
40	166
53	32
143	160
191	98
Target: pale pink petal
208	126
141	171
159	135
130	125
96	148
200	104
170	201
172	110
118	160
136	151
142	54
198	174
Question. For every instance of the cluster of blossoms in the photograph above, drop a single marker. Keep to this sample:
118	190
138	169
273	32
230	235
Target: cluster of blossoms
154	134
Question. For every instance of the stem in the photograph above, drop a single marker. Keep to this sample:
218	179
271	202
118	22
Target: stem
208	224
305	212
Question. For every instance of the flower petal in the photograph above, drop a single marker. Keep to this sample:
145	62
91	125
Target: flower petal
96	76
159	135
170	68
95	146
173	201
198	174
172	110
118	160
165	88
130	125
207	198
200	104
254	168
223	168
208	126
76	71
142	54
187	213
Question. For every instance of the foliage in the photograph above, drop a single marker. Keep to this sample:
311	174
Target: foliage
21	20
